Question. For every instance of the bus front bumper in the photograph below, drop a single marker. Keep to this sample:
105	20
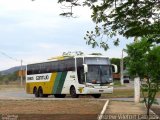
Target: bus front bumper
89	90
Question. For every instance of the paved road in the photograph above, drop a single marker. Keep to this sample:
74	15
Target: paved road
14	93
20	94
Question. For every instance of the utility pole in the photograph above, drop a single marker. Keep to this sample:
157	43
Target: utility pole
121	66
21	73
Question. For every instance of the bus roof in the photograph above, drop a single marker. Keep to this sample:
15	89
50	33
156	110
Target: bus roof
59	58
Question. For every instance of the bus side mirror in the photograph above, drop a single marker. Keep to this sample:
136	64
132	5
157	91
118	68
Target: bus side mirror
115	68
85	68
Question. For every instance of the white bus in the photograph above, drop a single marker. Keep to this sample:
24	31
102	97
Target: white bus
76	76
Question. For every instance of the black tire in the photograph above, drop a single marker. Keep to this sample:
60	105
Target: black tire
35	92
73	92
96	95
60	95
40	92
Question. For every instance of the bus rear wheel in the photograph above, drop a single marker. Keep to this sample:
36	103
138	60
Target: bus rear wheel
73	92
35	92
40	92
96	95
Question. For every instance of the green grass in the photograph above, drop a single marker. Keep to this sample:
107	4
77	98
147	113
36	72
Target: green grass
124	93
121	93
117	83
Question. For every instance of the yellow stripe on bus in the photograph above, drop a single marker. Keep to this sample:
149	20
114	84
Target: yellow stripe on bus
53	79
48	86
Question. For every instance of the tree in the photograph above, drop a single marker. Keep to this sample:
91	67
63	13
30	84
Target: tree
143	60
69	53
9	77
95	54
129	18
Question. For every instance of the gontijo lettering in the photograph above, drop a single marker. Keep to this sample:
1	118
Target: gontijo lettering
43	77
30	78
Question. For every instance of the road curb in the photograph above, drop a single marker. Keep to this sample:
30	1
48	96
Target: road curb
103	110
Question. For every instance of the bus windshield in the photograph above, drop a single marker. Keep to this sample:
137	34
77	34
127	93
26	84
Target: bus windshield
99	74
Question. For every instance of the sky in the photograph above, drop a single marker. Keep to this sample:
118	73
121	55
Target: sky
34	32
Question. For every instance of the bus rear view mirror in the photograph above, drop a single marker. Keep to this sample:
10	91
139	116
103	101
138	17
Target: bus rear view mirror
115	68
85	68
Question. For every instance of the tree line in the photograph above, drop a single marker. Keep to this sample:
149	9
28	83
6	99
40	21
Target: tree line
12	77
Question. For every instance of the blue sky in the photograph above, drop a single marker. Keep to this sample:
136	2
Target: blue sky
34	31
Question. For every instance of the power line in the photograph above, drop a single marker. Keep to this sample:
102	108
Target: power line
12	58
15	59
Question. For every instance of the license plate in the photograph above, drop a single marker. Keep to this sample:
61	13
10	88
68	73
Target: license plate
101	90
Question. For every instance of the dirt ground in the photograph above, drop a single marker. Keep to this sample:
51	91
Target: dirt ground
59	110
121	107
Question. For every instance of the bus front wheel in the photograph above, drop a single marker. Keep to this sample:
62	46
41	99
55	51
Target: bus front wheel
73	92
96	95
40	92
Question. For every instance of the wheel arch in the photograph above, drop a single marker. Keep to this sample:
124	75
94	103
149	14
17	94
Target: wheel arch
71	87
40	87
